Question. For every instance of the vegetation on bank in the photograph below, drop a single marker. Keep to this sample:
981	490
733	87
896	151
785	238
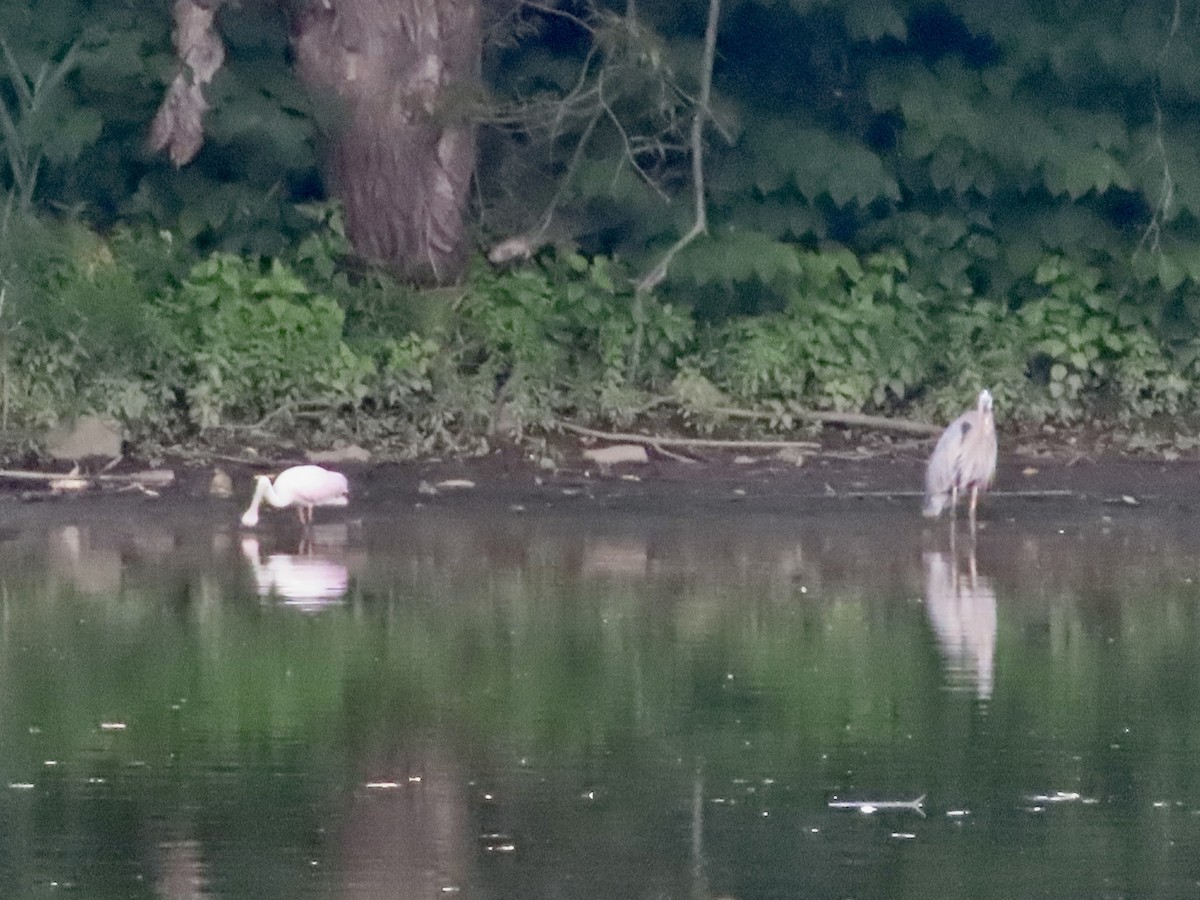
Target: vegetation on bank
187	349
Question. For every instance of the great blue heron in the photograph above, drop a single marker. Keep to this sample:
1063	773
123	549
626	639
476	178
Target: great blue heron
964	458
302	487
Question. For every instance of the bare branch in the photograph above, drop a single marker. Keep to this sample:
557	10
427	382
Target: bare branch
700	226
630	156
823	417
655	440
525	245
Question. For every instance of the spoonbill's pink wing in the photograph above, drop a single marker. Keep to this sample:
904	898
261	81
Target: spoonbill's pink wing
313	486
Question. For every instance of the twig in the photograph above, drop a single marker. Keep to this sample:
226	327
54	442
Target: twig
654	440
630	155
524	246
256	426
111	464
672	454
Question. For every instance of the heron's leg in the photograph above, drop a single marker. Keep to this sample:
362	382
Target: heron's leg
953	501
974	500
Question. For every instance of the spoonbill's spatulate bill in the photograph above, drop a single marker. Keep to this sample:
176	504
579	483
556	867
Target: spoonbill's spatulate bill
303	487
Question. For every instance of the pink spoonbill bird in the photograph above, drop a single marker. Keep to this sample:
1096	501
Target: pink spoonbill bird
964	459
302	487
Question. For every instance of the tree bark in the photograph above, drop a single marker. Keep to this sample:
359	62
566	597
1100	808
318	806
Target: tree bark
401	151
178	127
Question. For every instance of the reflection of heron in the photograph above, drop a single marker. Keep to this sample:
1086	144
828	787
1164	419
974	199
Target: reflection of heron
183	872
962	611
964	458
302	579
302	487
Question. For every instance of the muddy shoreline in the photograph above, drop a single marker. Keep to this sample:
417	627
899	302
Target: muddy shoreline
512	480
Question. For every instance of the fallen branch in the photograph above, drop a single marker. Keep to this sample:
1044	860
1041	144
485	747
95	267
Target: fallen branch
157	477
655	440
833	418
859	495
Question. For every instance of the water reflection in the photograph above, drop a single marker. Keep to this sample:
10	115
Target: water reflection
961	605
409	836
598	706
182	873
311	578
91	569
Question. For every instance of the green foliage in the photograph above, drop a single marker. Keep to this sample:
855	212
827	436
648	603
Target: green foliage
39	125
864	336
406	370
80	330
79	85
123	325
1037	130
1072	350
569	333
981	344
255	341
1084	348
780	154
853	336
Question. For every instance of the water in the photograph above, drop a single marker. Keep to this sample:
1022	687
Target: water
590	704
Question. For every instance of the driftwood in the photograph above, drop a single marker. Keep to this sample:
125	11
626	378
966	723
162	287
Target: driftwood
862	420
834	418
152	477
657	440
897	494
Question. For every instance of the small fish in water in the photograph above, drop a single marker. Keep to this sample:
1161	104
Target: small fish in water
867	807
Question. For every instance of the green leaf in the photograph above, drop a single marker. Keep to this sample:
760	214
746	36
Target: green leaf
1170	273
871	21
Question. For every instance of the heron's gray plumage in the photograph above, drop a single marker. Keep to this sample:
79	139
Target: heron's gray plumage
964	458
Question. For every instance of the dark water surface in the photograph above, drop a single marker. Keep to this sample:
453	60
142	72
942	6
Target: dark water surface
456	703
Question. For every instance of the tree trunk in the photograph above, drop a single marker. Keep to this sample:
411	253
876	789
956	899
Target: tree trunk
402	150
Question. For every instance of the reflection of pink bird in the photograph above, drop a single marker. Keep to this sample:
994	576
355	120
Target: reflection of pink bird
302	487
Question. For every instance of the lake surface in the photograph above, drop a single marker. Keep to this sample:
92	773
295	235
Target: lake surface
583	703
